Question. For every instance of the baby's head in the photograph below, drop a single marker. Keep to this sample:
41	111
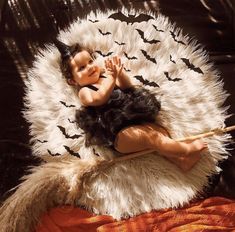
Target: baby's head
77	65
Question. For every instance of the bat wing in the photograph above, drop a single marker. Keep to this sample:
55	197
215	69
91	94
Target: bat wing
148	57
101	32
172	59
197	69
63	103
176	79
191	66
174	37
74	136
122	43
186	61
167	75
94	152
71	152
104	33
120	16
171	79
55	154
143	17
99	52
153	84
146	82
108	54
71	121
157	28
130	58
140	78
153	41
172	34
127	70
145	40
42	141
141	33
62	129
179	41
93	21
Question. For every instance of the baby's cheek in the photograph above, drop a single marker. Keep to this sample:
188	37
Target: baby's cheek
97	68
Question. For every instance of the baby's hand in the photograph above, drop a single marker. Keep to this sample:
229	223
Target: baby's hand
115	66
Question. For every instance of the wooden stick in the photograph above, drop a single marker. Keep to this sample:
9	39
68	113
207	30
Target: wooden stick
208	134
199	136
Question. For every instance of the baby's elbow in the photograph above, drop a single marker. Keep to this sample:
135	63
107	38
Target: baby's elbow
96	100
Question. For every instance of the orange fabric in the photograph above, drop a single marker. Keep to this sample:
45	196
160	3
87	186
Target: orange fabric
212	214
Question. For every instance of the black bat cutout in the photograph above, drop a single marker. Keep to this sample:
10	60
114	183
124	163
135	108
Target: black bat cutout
146	82
191	66
71	121
157	28
94	21
104	33
64	103
171	79
62	129
94	152
130	58
71	152
127	70
42	141
119	43
148	57
153	41
176	40
104	55
130	18
172	59
50	153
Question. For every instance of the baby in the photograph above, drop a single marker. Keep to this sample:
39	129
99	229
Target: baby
118	114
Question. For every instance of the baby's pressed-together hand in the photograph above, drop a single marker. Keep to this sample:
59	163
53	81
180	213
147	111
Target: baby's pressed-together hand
114	66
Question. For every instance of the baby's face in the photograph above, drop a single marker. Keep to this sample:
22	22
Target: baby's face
84	71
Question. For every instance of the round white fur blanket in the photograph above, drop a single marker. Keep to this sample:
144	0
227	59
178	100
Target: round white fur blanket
157	55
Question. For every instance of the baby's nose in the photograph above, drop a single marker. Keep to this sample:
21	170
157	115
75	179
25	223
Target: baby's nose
90	67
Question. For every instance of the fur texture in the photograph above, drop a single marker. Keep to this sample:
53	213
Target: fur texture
175	68
49	185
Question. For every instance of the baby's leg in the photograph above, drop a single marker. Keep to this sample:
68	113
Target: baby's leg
150	136
171	148
134	138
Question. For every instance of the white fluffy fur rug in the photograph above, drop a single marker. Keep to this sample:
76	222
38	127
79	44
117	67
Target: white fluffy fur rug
158	56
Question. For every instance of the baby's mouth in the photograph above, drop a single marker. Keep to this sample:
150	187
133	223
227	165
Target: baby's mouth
93	72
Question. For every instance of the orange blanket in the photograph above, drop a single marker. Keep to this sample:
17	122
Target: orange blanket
212	214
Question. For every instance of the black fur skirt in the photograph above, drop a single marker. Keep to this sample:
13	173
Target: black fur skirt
124	108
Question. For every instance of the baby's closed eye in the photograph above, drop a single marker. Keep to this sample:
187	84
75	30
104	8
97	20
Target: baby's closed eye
81	68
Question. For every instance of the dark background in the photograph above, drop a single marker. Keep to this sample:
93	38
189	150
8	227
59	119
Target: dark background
27	25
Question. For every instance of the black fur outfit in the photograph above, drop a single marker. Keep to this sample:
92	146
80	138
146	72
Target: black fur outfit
132	106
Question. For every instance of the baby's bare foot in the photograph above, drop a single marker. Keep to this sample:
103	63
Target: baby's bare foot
195	147
198	145
194	153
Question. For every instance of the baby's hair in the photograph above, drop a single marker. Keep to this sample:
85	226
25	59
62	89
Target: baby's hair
67	52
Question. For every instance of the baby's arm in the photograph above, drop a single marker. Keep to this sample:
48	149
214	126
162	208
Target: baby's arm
123	81
90	97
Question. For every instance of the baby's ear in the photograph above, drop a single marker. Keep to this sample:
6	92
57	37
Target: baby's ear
71	81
